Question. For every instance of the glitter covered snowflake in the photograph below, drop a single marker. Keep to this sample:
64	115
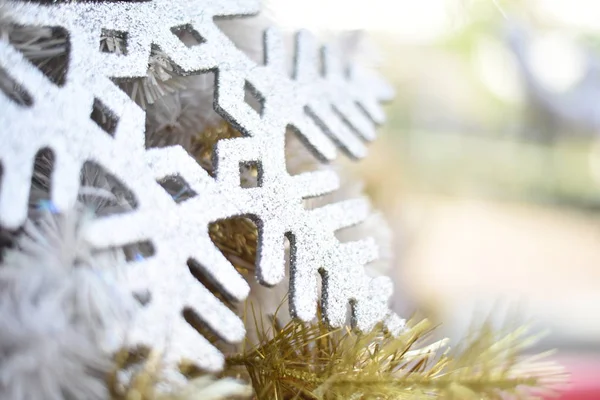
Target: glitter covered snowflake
329	109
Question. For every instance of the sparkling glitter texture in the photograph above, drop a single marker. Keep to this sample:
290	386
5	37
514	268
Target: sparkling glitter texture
329	109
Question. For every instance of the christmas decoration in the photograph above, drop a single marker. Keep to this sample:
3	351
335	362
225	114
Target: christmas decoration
178	232
138	215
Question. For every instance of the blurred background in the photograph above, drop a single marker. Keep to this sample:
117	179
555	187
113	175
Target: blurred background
489	165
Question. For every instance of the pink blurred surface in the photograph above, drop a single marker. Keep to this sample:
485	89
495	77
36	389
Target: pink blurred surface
584	380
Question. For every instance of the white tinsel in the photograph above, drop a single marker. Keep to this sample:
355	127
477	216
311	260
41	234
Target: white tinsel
60	313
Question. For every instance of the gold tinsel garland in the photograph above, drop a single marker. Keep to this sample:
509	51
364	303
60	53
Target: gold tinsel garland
310	361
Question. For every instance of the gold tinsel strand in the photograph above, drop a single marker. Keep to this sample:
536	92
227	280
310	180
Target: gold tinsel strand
310	361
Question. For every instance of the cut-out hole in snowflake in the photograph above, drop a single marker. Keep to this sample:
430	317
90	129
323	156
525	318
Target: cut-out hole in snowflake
41	181
195	320
349	306
204	144
295	158
292	264
329	132
177	187
254	98
237	239
144	297
250	174
104	117
199	272
348	124
7	241
46	48
13	90
138	251
188	35
113	41
104	193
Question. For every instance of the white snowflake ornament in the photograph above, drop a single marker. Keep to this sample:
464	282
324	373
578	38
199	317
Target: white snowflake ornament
334	108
